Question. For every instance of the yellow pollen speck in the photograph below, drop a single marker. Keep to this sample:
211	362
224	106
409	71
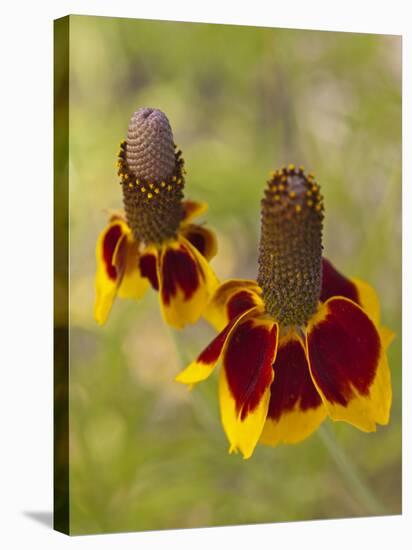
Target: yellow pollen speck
130	185
311	176
292	194
174	178
301	169
281	187
277	198
156	191
151	185
126	176
284	179
308	192
149	195
163	184
315	188
310	203
169	187
298	208
291	167
272	174
318	207
179	181
143	189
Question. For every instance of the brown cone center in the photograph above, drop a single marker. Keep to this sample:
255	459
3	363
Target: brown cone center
290	252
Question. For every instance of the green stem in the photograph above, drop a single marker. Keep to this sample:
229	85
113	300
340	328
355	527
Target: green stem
350	473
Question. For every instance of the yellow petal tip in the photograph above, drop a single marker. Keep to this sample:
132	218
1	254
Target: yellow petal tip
180	378
194	373
100	319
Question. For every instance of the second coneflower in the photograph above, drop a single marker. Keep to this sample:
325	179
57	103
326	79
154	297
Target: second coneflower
154	242
303	342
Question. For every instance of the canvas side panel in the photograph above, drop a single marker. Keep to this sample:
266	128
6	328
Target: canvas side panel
61	280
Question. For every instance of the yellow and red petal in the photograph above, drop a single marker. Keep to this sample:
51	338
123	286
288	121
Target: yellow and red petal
117	259
231	298
335	284
192	209
126	257
108	275
186	283
348	364
245	380
203	366
149	266
295	407
201	238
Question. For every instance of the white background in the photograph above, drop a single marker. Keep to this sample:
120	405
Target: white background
26	269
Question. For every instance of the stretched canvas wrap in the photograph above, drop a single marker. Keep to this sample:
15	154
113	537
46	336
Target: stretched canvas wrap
227	275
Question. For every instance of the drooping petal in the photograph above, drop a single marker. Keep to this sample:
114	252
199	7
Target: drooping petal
335	284
295	408
149	266
108	275
348	364
133	284
245	380
203	366
186	282
201	238
117	272
192	209
231	298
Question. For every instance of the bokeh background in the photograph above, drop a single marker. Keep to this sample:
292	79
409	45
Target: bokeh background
144	452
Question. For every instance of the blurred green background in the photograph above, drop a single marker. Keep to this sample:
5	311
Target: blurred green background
144	452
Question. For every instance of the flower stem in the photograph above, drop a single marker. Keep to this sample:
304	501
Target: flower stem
350	473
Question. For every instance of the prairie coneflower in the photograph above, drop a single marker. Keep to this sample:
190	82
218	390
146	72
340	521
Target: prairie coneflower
154	241
303	342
